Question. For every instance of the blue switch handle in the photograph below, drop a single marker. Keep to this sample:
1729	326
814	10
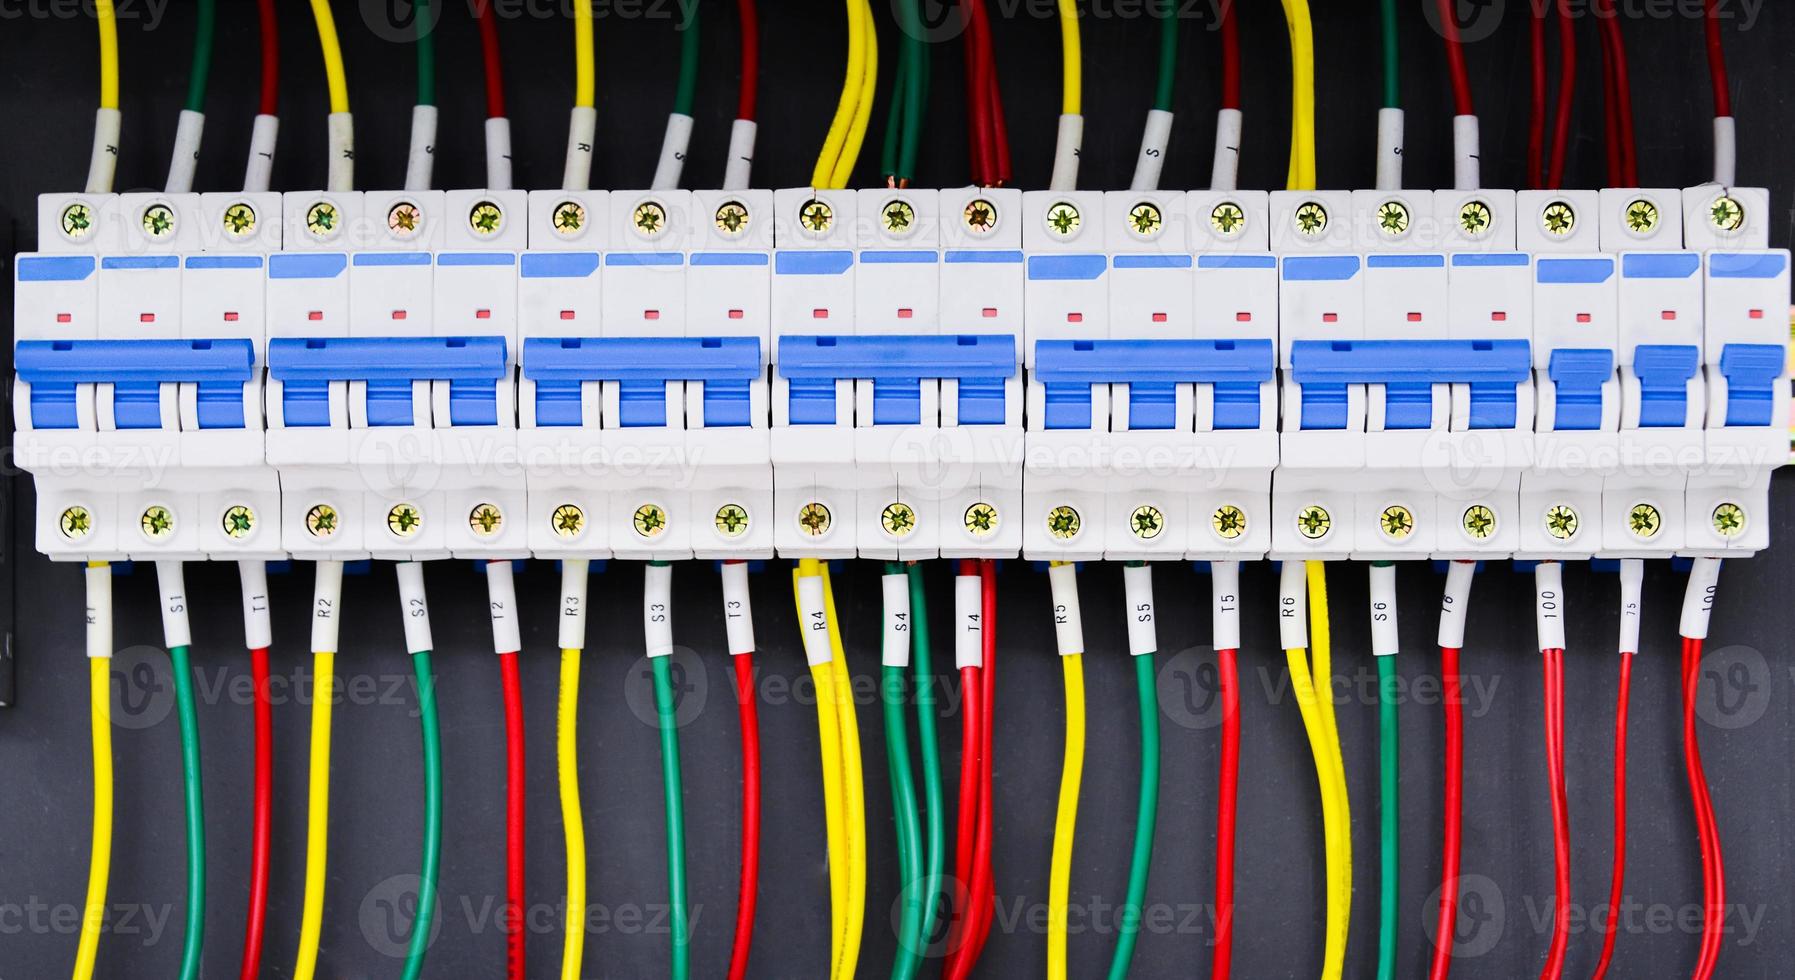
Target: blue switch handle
1134	362
390	359
1751	372
1579	376
1395	362
50	362
645	359
897	357
1664	371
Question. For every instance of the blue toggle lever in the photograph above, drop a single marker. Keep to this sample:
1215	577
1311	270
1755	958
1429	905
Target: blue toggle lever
1751	372
642	367
1664	371
136	369
897	366
1153	369
1579	376
1408	370
306	366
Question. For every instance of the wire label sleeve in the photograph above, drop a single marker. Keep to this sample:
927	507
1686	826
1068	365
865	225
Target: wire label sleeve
969	625
99	611
173	586
1548	583
327	592
1632	585
896	650
501	600
258	632
815	621
1137	590
657	609
414	607
1068	621
738	614
1698	600
1293	625
572	632
1384	640
1224	596
1454	604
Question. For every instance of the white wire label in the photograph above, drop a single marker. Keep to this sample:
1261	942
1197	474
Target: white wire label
657	610
738	614
1632	586
501	601
572	632
1455	603
258	632
414	607
813	620
896	650
1293	621
969	626
1224	595
99	611
327	592
1137	590
1698	600
173	586
1548	607
1068	621
1384	640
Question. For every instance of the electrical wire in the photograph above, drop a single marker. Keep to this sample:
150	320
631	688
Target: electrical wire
1157	134
814	624
1632	577
418	642
572	639
326	598
1069	138
1069	631
1536	101
1698	604
1389	733
582	122
178	636
1166	87
863	110
1549	615
970	651
98	578
657	622
853	780
687	91
1302	95
205	27
1314	701
257	632
1142	642
425	44
922	672
515	786
1224	169
739	618
1614	59
1454	608
421	155
906	822
983	886
841	147
340	124
1462	102
749	28
490	59
1225	595
903	125
102	163
1725	131
1567	90
1392	51
677	139
269	24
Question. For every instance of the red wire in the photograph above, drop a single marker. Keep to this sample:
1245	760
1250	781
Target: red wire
978	106
983	885
1620	816
1536	107
1230	58
966	823
1723	93
512	921
270	28
1567	90
1000	130
750	28
262	834
1609	20
1561	823
750	884
1446	931
1610	113
1707	828
489	53
1228	671
1455	59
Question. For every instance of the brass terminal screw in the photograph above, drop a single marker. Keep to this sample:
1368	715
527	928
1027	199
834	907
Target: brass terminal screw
1397	522
567	521
1562	522
816	215
240	220
980	519
731	218
158	220
157	522
321	521
650	219
238	521
1558	218
77	220
485	520
650	520
1228	219
1314	522
1726	213
1642	217
485	218
1729	520
979	216
1064	523
1311	219
814	519
404	520
1147	522
1644	521
1229	522
732	520
321	219
75	522
1479	522
404	219
1475	219
1393	218
898	519
569	218
1063	219
898	217
1145	219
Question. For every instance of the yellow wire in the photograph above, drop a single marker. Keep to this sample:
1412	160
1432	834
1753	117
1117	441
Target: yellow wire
1307	703
333	56
573	827
1072	59
107	20
853	782
1302	95
863	109
585	78
1059	888
829	744
317	817
99	864
1314	698
822	177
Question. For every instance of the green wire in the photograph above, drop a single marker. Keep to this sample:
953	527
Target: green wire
202	55
1392	69
1145	682
1388	905
196	813
1168	57
421	923
903	123
911	942
936	821
890	150
676	818
687	92
426	53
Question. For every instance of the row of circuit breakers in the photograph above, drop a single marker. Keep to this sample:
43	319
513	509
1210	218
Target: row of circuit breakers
903	374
